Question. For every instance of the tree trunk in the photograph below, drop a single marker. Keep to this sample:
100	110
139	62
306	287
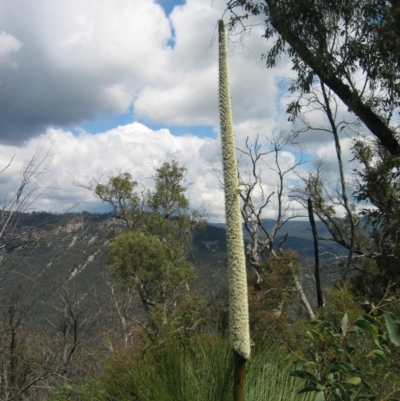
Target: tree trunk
239	376
320	300
303	298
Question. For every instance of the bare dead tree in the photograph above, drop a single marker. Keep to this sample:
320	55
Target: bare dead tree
21	201
31	364
329	199
256	200
75	324
123	300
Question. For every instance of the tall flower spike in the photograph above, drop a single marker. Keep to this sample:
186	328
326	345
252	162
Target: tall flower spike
238	301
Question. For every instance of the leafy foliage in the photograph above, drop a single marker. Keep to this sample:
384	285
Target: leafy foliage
150	258
169	197
378	186
270	297
119	193
334	41
338	352
143	261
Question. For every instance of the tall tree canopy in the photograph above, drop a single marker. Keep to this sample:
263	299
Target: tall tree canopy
351	46
150	256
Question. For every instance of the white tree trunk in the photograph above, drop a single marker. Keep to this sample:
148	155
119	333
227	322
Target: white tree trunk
303	297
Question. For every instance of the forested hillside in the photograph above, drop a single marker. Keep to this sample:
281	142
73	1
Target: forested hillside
70	251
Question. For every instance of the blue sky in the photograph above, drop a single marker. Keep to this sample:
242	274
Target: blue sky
168	5
102	123
99	84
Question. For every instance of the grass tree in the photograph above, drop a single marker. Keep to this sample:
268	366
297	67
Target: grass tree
238	301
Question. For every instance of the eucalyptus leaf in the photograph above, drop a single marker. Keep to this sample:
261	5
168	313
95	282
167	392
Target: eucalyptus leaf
350	349
373	320
393	328
356	381
310	336
305	375
320	396
345	322
344	395
342	367
307	389
369	393
336	396
366	326
378	353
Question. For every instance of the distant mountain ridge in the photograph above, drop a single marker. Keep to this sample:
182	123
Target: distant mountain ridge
300	237
70	249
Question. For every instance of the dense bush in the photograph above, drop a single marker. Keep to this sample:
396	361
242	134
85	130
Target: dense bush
199	370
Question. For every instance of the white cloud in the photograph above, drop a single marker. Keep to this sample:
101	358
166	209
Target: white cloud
81	58
187	91
134	148
8	45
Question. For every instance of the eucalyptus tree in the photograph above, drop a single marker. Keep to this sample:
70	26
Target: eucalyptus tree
351	46
149	255
377	187
368	233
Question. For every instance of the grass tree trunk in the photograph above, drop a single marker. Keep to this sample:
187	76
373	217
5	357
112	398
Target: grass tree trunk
238	301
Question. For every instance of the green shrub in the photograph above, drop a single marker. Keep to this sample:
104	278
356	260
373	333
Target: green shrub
349	354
